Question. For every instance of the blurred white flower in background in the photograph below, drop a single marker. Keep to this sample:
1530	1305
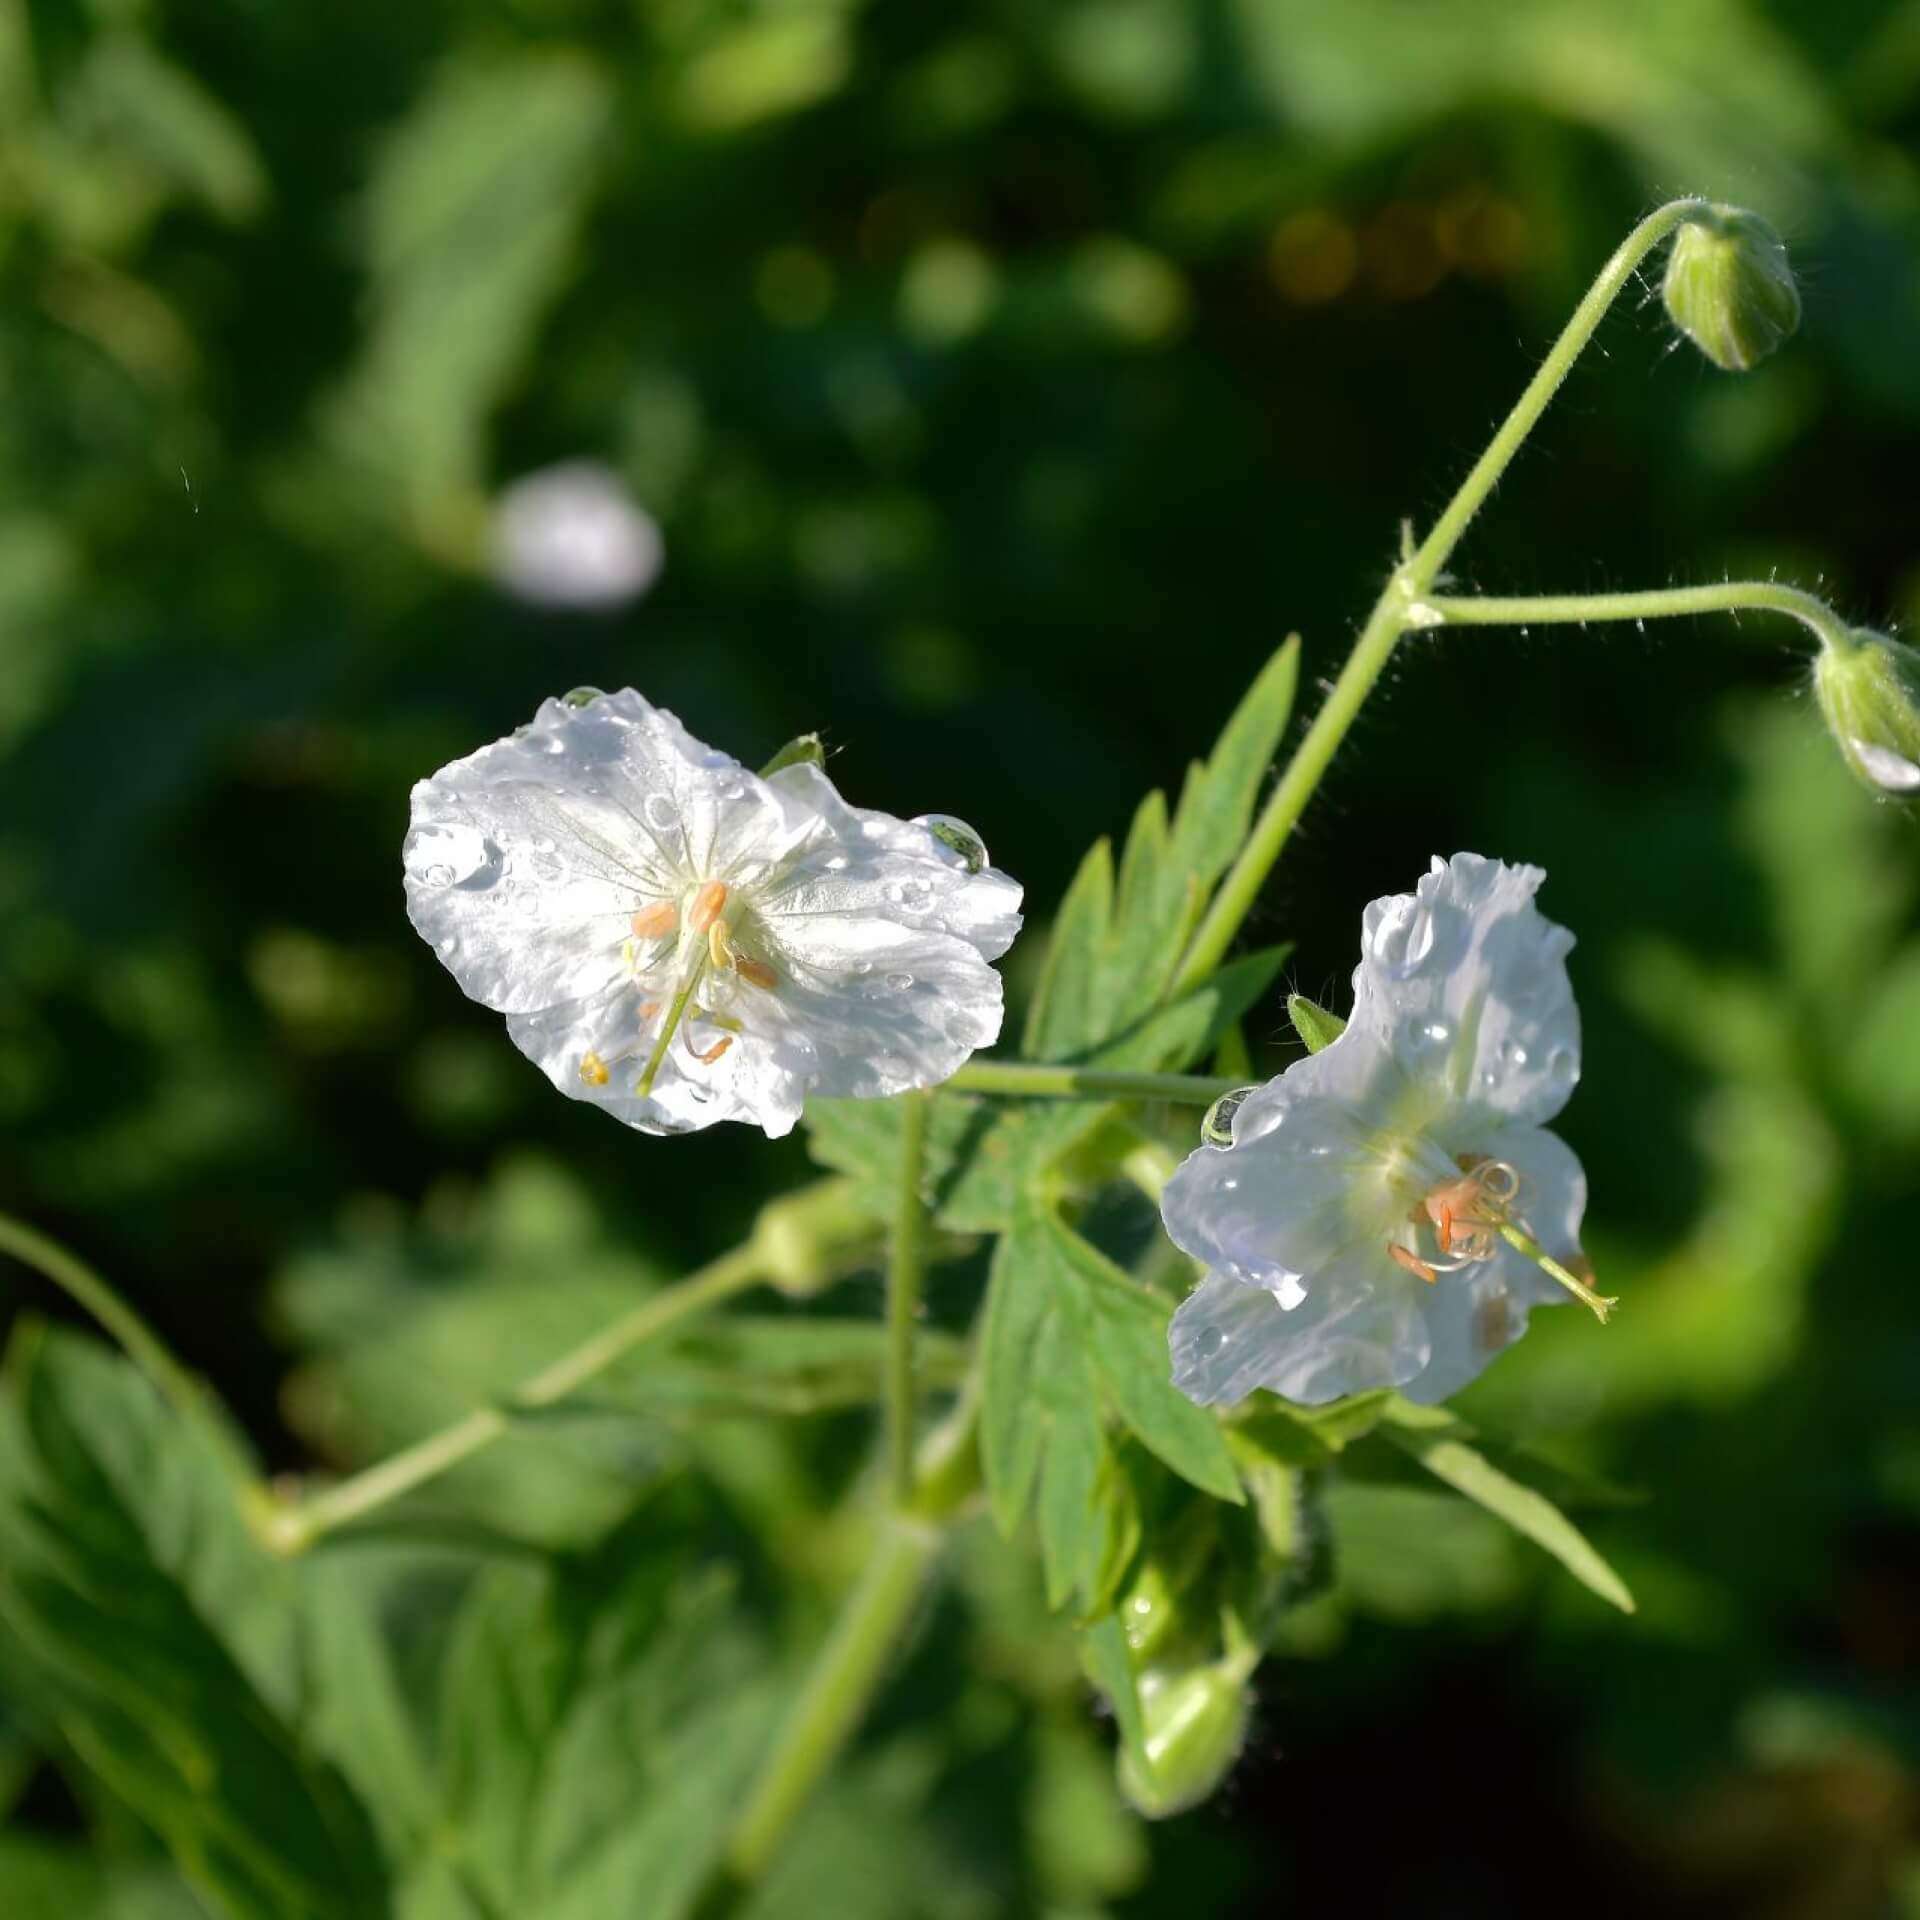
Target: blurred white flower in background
571	536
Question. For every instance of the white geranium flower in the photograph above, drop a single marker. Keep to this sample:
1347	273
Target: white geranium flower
571	536
1383	1213
681	941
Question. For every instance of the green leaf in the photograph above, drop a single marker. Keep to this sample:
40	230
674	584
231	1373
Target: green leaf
1316	1027
1434	1443
1109	1665
1114	949
152	1699
48	1880
1069	1340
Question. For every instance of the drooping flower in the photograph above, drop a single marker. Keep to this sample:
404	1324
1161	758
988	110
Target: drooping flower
1381	1215
680	941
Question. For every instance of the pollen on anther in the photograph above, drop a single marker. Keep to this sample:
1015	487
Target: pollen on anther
714	1052
756	973
1412	1262
593	1070
708	904
655	920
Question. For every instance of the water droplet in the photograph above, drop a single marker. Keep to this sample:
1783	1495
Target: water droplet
450	945
1230	1186
1563	1065
899	982
1209	1341
1216	1126
915	895
837	863
959	841
1404	937
450	856
661	813
581	697
1514	1054
553	743
863	966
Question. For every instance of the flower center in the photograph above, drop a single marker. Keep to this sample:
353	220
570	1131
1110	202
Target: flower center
1464	1222
703	944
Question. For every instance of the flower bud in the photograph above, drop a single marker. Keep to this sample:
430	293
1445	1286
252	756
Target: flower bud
808	1240
1729	288
1316	1027
1870	694
1196	1724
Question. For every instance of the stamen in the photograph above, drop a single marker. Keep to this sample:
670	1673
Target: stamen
656	921
708	905
756	973
593	1070
713	1053
1412	1262
720	946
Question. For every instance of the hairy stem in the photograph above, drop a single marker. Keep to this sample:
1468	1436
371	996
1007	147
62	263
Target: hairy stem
1660	603
1087	1083
905	1270
292	1526
1403	604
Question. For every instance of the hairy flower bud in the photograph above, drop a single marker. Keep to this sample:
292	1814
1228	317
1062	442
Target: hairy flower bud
1870	694
1729	288
1196	1724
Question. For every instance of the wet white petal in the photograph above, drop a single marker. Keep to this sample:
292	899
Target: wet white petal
1473	1316
1466	982
1464	1030
863	941
1354	1328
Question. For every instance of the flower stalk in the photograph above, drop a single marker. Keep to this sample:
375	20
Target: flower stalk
1661	603
905	1272
1025	1080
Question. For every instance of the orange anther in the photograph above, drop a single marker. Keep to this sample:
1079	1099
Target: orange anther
651	922
756	973
708	904
1412	1262
1443	1229
648	1008
714	1052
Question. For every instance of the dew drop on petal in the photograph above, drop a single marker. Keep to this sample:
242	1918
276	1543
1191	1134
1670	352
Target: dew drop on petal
660	811
1216	1126
915	895
1514	1054
448	856
965	847
581	697
899	982
1209	1341
837	863
1562	1066
1404	938
438	876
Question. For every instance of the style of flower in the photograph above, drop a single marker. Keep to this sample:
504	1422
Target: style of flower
679	940
1390	1207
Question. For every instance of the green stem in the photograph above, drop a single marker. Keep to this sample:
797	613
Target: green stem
905	1270
1599	1304
292	1526
1660	603
1403	604
1437	548
1086	1083
837	1692
137	1340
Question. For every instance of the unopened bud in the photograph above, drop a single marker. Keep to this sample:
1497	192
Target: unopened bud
810	1239
1729	288
1870	694
1196	1724
1316	1027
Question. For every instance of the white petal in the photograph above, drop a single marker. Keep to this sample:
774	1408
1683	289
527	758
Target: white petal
742	1084
1465	982
527	859
1323	1160
1356	1326
851	868
1474	1315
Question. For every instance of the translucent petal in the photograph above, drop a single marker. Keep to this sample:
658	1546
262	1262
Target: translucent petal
1324	1159
1356	1325
1474	1315
687	1094
527	859
1465	982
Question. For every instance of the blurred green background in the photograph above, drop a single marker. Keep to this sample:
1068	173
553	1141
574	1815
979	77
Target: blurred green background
1004	381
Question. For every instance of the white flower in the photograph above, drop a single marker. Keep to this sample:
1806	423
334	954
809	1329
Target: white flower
569	536
1359	1230
680	941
